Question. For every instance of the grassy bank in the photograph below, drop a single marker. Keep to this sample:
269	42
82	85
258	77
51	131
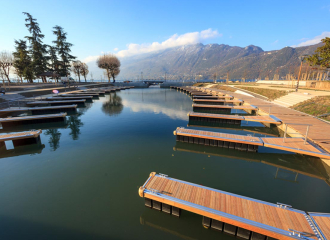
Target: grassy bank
316	106
271	94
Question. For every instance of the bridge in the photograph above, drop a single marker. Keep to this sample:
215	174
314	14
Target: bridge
153	82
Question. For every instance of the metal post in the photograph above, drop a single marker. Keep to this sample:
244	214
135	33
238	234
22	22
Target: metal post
286	128
306	134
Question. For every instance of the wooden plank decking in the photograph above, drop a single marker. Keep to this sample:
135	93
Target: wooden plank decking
295	145
33	117
219	136
211	97
322	222
242	107
273	220
21	135
55	102
210	115
264	119
218	100
63	97
25	109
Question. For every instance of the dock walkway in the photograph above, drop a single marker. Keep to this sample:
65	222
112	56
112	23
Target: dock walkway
248	143
262	119
245	217
35	109
20	135
53	103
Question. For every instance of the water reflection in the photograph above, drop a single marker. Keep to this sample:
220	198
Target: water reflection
32	149
54	140
113	106
75	124
167	102
306	165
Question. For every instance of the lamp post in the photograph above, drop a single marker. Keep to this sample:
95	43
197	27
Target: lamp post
301	58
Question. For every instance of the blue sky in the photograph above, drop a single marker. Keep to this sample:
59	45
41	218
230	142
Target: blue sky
98	26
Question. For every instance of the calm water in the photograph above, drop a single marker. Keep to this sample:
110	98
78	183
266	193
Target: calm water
82	182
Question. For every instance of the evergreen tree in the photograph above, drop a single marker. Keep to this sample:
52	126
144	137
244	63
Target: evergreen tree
54	62
64	49
322	55
22	61
38	50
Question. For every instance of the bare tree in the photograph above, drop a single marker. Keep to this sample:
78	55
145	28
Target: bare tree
6	62
111	64
76	68
84	70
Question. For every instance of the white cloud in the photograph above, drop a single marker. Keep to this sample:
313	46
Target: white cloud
313	41
115	49
275	42
174	41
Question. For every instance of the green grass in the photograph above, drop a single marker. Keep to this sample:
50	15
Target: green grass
315	106
271	94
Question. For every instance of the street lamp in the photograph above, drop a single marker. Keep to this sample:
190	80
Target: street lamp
301	58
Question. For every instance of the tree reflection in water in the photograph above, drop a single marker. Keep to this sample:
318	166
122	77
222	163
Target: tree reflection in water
114	106
74	124
54	140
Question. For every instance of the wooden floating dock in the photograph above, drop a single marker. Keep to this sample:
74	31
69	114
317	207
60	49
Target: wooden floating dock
237	215
64	97
217	101
223	108
211	97
94	95
216	139
40	109
56	103
248	143
13	121
22	138
234	119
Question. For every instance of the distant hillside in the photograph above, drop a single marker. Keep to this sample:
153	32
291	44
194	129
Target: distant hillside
188	61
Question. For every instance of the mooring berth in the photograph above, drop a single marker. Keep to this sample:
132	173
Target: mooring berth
217	101
269	119
64	97
241	216
56	103
223	108
248	143
62	108
22	138
13	121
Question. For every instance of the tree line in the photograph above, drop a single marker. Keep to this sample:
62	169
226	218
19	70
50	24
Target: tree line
33	59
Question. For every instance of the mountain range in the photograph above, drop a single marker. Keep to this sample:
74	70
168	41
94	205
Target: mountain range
199	61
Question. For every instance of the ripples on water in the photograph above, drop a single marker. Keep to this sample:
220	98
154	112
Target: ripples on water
82	180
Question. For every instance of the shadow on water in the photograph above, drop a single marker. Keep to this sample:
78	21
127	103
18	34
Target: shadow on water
179	227
113	106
